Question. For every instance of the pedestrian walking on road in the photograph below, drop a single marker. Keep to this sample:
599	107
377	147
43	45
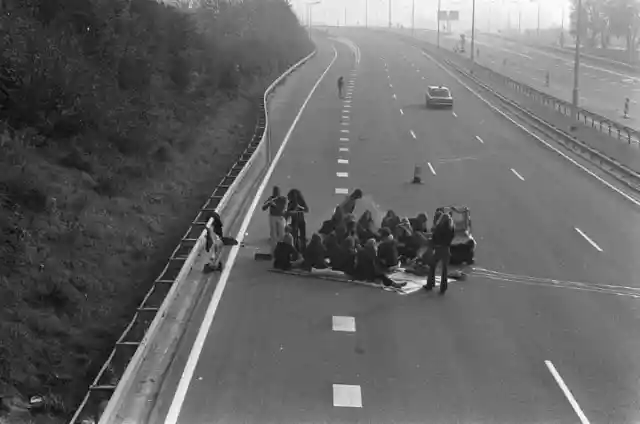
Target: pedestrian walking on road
442	237
340	86
276	204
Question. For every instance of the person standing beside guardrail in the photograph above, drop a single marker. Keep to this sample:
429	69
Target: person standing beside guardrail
277	205
340	86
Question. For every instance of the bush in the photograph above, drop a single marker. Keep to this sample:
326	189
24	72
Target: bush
98	100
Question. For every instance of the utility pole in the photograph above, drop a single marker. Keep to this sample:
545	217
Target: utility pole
413	17
366	14
389	13
576	70
473	29
438	43
345	16
538	19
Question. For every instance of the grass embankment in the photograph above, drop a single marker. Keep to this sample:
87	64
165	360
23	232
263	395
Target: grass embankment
117	120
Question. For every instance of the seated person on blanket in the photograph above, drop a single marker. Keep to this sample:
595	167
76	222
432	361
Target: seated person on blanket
315	254
366	226
420	223
285	256
390	220
344	257
368	268
388	250
404	235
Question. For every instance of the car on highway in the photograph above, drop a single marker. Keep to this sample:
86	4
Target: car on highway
439	96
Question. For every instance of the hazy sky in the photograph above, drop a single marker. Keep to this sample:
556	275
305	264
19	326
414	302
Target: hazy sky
490	14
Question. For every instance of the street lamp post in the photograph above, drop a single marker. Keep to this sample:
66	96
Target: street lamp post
473	29
413	17
576	69
438	37
389	13
366	14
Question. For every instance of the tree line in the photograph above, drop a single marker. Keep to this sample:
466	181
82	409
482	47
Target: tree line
602	20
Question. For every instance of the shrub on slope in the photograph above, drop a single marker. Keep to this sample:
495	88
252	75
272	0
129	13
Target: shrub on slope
106	109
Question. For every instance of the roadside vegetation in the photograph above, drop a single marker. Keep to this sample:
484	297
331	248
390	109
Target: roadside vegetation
117	119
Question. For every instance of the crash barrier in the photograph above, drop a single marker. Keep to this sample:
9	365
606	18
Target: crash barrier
605	125
122	388
622	173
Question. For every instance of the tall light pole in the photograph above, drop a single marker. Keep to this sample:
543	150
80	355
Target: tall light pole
413	17
310	14
389	13
538	32
576	69
366	14
473	29
438	37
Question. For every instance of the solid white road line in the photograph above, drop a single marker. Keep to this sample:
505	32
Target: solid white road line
198	345
401	112
479	139
343	161
567	392
523	128
586	237
433	171
343	149
347	324
342	174
517	175
347	396
413	134
342	191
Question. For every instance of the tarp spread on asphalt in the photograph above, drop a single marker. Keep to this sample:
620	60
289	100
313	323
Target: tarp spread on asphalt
414	282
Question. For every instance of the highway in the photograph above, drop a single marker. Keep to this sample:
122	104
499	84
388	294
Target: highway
545	330
602	89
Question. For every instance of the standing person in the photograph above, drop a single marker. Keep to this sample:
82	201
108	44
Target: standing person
296	209
340	86
348	205
442	237
277	205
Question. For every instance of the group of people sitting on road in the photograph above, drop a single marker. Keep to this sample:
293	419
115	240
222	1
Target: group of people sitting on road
359	248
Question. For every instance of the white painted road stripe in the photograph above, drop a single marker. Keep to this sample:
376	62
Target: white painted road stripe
586	237
344	149
401	112
344	131
344	123
342	191
412	134
344	139
347	105
342	175
454	114
194	356
346	111
390	85
394	96
567	392
517	175
433	171
347	396
347	324
345	117
343	161
479	139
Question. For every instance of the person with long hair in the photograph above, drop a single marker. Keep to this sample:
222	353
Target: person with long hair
443	234
296	208
276	204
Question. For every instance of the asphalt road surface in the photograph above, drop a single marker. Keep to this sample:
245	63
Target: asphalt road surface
602	89
545	331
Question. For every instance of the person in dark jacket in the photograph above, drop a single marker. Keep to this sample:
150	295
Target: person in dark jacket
296	209
285	254
388	250
315	254
441	239
420	223
276	204
366	226
345	259
348	205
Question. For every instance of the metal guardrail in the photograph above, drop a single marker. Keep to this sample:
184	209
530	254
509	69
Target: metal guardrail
178	266
605	125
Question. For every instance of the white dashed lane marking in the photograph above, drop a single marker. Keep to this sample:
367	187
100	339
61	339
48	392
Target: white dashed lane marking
347	324
479	139
344	139
344	131
586	237
516	173
343	161
344	149
401	112
347	396
454	114
342	191
344	123
394	96
433	171
342	175
412	134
